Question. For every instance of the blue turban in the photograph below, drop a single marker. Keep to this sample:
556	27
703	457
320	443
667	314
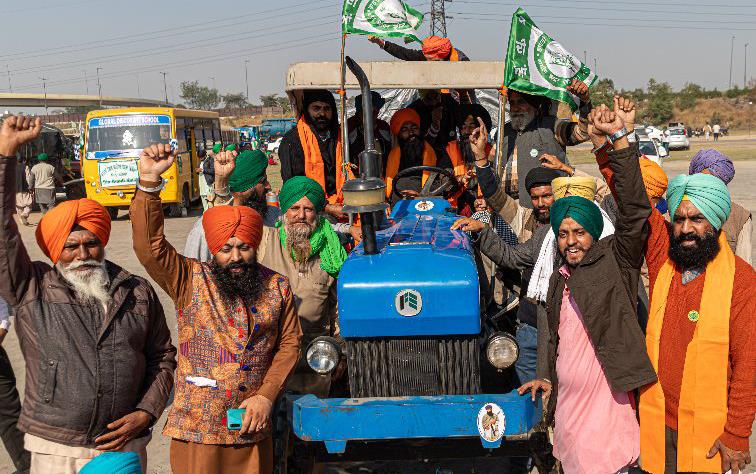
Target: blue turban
584	212
717	164
708	193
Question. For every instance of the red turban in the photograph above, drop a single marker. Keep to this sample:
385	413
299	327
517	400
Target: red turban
401	117
55	227
223	222
436	47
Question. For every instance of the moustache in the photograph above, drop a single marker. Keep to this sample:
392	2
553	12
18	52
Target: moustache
84	264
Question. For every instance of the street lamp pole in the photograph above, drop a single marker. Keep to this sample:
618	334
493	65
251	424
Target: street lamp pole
139	89
246	77
99	85
165	87
732	47
745	64
10	88
44	88
213	79
86	81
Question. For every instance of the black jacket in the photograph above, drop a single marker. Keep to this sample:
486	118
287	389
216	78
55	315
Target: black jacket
408	54
292	158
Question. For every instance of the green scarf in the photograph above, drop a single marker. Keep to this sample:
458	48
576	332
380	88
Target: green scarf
325	243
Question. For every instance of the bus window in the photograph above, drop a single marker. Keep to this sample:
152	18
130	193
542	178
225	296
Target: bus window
125	133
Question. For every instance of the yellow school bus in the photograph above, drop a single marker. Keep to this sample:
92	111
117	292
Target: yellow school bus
113	139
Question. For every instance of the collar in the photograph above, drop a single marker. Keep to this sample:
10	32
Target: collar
565	271
691	274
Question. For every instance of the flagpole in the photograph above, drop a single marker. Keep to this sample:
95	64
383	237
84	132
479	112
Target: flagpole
344	130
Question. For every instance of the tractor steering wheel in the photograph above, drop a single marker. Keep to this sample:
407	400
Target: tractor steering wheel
435	172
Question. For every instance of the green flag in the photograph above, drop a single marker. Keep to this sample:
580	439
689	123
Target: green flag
538	65
386	18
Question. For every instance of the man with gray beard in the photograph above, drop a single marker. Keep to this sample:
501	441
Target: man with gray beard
534	130
99	359
304	248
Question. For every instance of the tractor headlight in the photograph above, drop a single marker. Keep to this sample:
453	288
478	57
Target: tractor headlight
323	355
502	350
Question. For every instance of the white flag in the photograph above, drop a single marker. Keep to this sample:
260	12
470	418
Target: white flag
386	18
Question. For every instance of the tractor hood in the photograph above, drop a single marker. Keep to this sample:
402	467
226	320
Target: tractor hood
422	282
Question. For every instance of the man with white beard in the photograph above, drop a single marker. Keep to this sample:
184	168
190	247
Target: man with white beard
305	248
99	359
534	130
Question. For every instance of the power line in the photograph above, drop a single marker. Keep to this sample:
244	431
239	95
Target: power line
606	2
202	60
571	17
613	25
161	50
152	35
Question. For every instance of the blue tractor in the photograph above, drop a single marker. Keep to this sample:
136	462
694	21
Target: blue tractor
427	370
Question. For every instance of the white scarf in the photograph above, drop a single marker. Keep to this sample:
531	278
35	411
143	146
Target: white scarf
538	286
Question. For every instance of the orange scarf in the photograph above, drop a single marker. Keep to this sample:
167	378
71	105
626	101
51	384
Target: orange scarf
458	162
314	166
702	413
394	159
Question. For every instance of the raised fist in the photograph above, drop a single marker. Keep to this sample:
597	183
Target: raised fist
376	40
17	130
224	163
154	161
607	122
580	89
625	108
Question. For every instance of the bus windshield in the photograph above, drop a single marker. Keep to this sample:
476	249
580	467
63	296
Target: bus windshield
121	135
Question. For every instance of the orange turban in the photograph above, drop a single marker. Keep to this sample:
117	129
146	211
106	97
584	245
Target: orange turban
55	227
437	47
654	178
223	222
401	117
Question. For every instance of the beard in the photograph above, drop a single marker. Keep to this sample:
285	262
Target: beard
246	284
686	258
298	240
520	120
542	216
89	279
322	125
258	203
412	152
466	149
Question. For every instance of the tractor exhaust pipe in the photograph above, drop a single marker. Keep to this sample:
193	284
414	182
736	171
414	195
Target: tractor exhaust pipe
366	194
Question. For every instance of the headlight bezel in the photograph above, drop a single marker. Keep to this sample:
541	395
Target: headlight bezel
332	348
496	340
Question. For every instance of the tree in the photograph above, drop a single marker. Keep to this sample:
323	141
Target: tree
603	92
284	103
660	102
270	100
686	98
199	97
235	101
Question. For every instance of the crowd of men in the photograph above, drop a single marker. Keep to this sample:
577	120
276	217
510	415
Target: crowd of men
636	318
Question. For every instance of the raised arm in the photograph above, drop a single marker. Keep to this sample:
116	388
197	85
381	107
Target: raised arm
570	133
399	52
513	257
167	267
632	201
16	269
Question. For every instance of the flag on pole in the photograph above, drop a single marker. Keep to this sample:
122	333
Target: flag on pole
538	65
386	18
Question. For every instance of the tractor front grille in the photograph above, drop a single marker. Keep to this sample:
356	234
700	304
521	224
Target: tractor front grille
397	367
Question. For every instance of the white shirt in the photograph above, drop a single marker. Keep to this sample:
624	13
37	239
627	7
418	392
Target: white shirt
716	128
4	315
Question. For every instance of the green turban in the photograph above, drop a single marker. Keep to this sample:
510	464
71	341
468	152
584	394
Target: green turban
584	212
217	148
249	171
231	147
42	157
708	193
298	187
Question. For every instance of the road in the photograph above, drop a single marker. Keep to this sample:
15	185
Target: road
119	250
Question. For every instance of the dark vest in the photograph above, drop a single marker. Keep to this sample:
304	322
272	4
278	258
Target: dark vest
538	138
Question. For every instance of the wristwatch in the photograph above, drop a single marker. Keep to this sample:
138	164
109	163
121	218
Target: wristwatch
622	132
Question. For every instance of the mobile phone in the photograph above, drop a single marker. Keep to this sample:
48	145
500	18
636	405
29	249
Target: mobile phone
234	418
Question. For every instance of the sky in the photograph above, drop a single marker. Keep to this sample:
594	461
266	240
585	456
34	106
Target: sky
65	41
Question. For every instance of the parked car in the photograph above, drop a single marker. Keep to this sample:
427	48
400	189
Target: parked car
652	150
677	139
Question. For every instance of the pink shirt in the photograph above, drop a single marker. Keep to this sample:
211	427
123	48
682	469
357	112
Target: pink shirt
595	429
